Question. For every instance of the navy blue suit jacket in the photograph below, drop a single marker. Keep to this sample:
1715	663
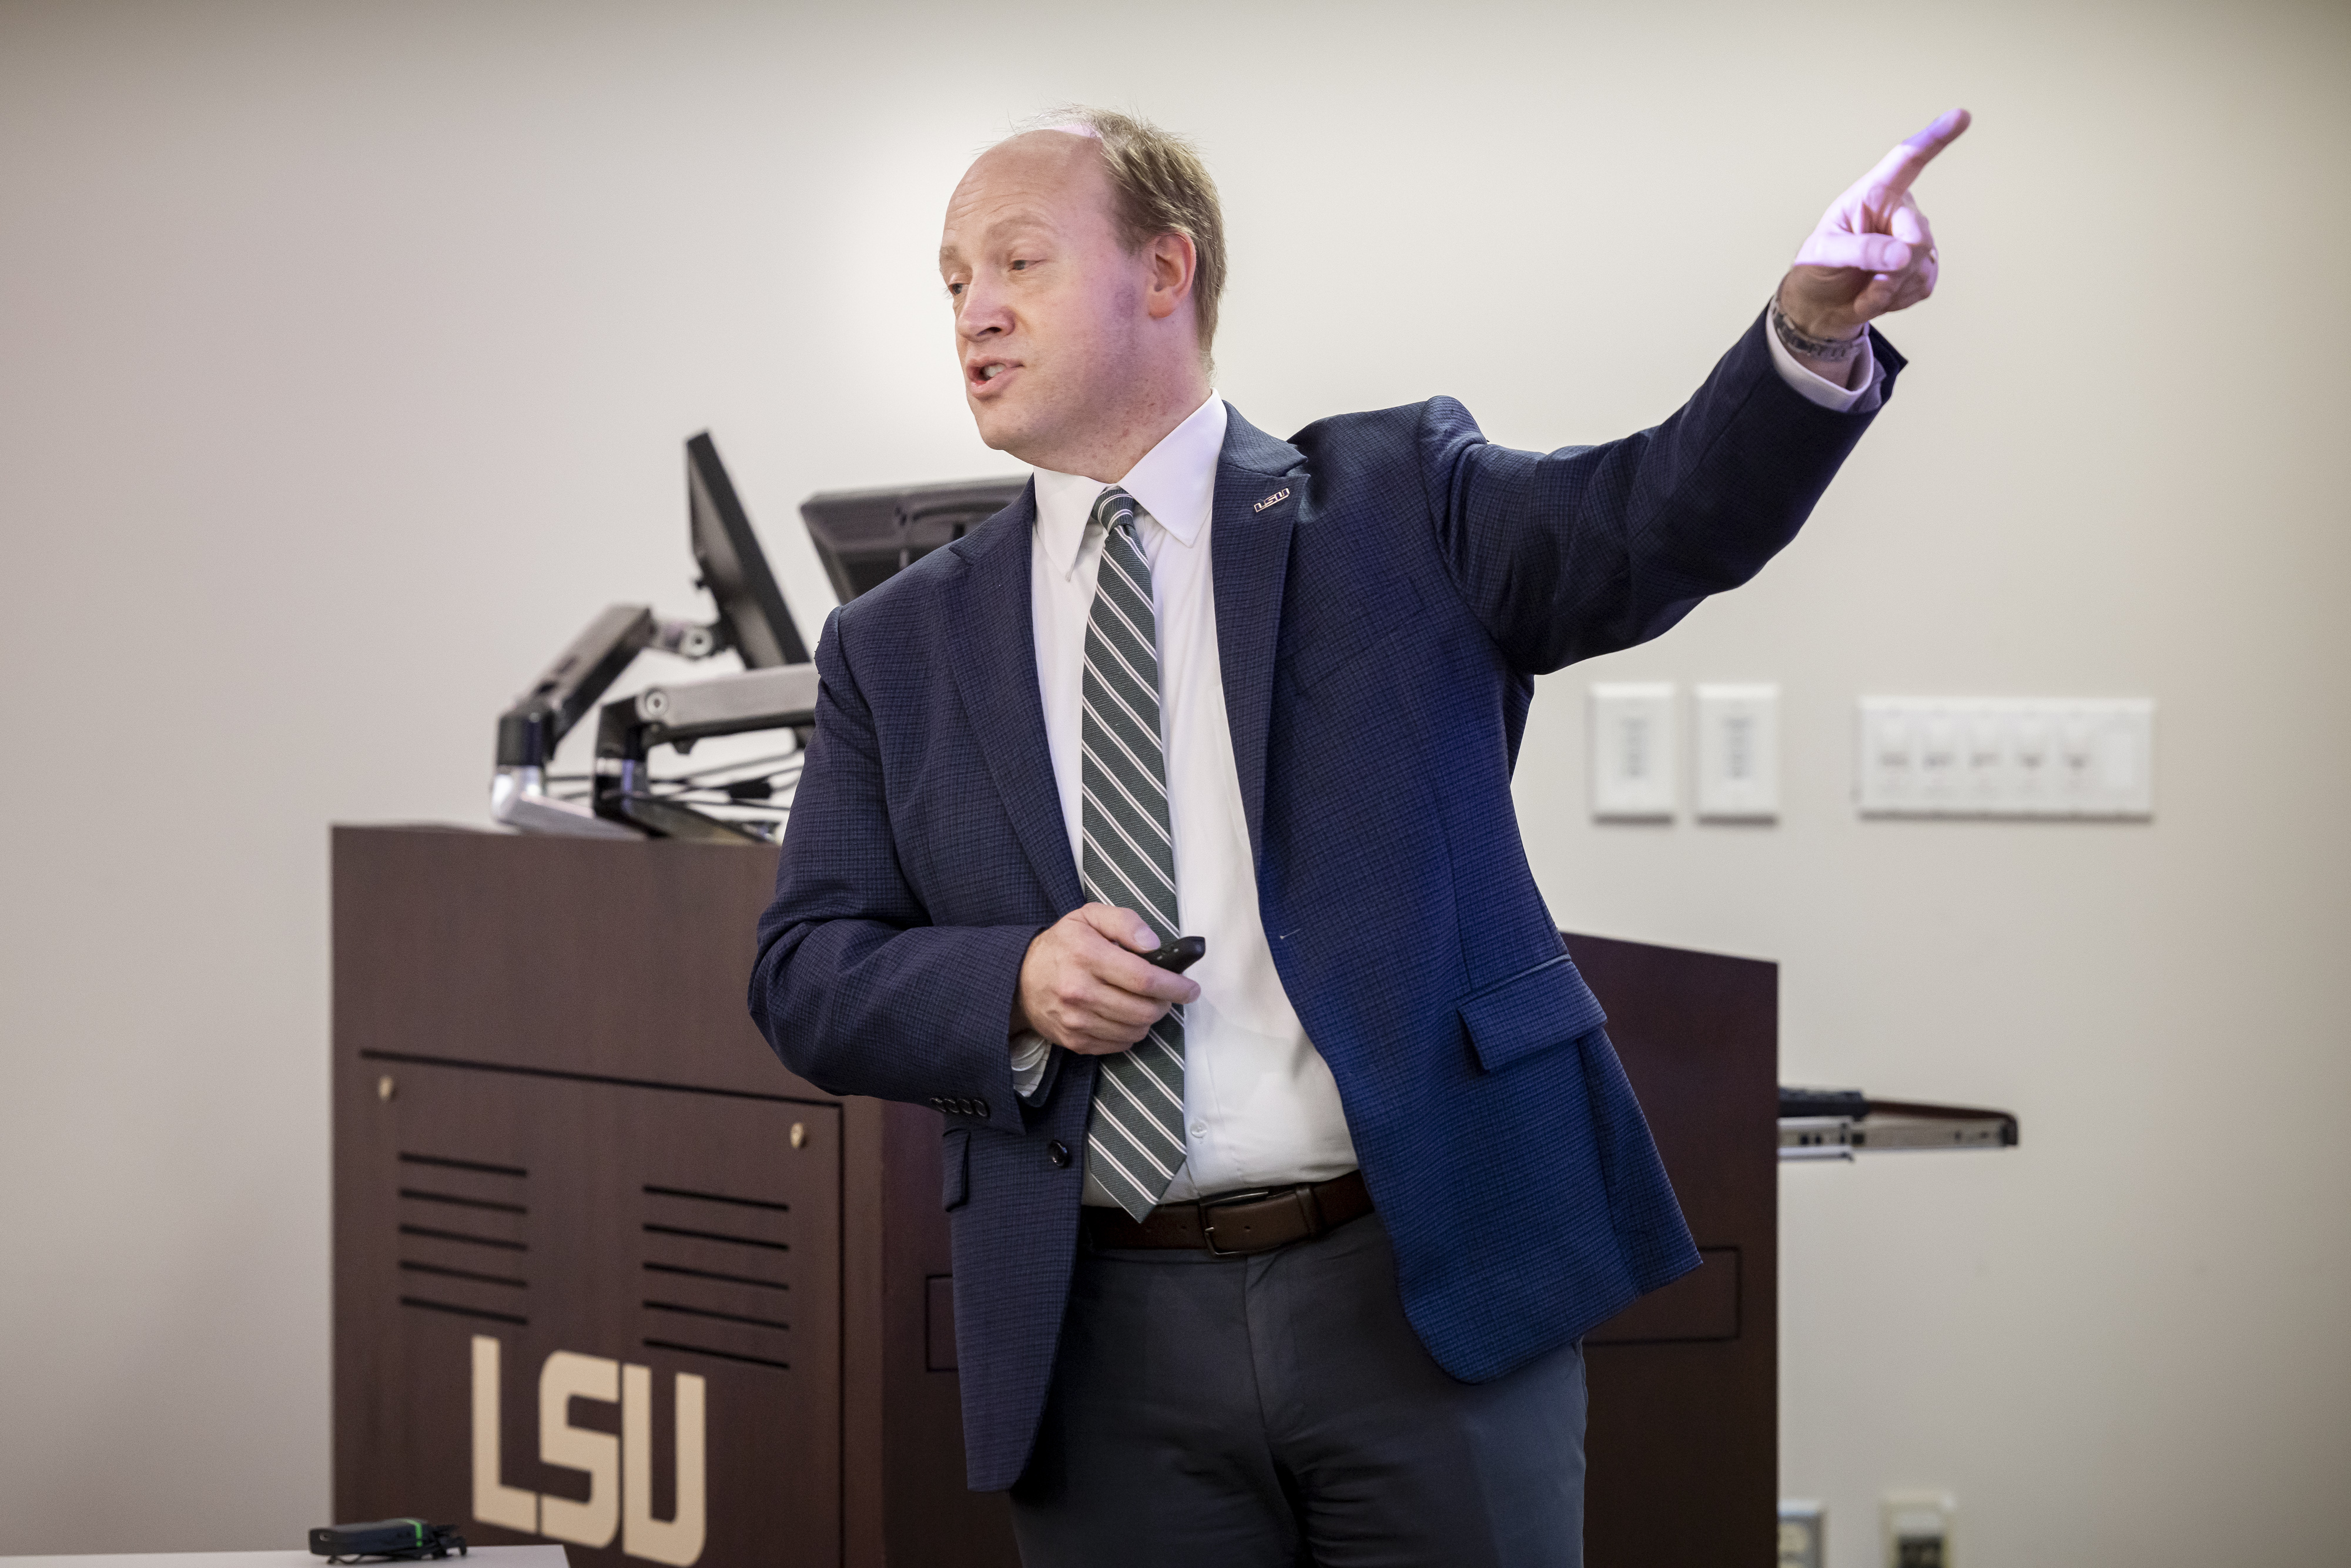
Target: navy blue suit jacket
1387	586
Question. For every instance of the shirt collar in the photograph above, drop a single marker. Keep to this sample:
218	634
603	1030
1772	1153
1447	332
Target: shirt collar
1176	482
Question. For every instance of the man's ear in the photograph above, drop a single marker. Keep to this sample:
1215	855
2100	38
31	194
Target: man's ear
1173	262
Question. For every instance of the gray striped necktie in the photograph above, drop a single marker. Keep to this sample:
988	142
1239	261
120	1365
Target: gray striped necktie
1134	1141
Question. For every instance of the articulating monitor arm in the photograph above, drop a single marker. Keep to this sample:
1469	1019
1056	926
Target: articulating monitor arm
529	731
782	697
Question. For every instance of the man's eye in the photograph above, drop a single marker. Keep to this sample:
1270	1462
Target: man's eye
954	288
1019	265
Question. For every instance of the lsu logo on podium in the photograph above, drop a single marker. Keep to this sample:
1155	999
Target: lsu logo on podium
620	1471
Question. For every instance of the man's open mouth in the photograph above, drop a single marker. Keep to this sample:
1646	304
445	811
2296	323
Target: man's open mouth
985	372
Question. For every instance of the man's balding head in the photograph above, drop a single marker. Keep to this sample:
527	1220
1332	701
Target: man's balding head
1083	259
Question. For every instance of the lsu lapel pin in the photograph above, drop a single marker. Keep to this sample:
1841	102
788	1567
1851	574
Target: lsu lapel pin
1269	500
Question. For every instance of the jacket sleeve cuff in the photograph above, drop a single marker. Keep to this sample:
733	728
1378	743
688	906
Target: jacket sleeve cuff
1862	397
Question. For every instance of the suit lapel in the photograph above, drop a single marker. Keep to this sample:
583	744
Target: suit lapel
1248	545
993	658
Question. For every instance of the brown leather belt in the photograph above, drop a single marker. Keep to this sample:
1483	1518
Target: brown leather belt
1236	1224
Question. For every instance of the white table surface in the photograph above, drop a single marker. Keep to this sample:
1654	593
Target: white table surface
489	1556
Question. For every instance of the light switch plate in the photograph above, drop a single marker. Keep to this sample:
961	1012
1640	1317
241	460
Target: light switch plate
2006	757
1737	753
1915	1529
1634	770
1804	1533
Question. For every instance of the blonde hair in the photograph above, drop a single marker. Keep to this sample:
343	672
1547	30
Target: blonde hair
1159	186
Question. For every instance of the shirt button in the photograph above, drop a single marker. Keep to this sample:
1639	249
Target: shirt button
1200	1129
1058	1153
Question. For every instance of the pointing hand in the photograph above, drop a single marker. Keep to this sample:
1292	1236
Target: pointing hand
1872	252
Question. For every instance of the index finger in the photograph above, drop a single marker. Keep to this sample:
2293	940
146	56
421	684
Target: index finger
1123	926
1890	181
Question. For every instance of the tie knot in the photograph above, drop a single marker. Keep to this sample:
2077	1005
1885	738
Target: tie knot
1114	510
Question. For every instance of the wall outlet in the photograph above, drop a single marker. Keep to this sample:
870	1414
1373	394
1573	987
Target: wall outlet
1634	772
1804	1533
1915	1527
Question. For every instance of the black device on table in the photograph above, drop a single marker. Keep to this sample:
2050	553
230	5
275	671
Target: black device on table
393	1539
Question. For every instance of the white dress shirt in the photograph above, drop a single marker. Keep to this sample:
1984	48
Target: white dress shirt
1261	1108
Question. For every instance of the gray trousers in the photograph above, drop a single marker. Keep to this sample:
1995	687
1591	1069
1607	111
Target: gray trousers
1277	1411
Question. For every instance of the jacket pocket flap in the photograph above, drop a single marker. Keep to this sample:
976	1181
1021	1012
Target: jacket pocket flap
955	1168
1532	1010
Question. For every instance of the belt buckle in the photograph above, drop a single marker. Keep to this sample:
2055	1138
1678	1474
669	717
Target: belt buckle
1208	1207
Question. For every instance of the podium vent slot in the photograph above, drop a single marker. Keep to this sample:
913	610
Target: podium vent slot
450	1197
721	1317
716	1236
721	1355
497	1241
415	1268
446	1163
515	1318
718	1198
715	1274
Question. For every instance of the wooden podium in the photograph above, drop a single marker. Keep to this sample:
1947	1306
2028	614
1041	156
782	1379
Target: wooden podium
606	1274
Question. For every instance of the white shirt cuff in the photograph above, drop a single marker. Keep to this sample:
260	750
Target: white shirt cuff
1029	1052
1862	395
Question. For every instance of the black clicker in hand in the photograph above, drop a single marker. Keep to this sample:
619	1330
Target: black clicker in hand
1180	954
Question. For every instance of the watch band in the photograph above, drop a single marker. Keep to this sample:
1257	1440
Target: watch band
1833	350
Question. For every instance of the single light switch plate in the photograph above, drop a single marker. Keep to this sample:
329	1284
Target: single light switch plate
1915	1528
1804	1533
1737	754
2006	757
1633	771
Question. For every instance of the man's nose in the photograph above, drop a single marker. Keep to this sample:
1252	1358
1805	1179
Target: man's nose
981	313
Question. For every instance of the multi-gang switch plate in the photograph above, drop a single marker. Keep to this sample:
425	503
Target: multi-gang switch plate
2006	757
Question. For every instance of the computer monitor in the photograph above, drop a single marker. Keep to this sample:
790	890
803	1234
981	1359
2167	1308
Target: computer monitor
866	536
734	568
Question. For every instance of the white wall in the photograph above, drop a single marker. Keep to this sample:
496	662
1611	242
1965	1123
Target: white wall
345	353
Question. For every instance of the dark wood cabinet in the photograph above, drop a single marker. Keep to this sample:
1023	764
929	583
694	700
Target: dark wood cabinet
577	1199
606	1274
1683	1440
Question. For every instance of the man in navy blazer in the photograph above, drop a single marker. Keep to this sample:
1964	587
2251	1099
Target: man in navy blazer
1321	1295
